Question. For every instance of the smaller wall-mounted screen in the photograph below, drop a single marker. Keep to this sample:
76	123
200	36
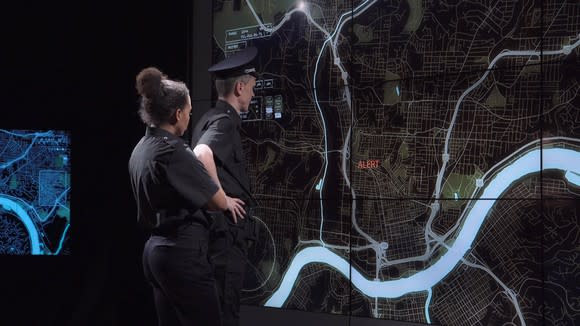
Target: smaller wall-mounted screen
35	192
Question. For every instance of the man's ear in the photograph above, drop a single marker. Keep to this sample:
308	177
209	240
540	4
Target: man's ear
238	88
178	115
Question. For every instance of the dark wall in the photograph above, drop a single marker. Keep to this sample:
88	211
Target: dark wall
72	66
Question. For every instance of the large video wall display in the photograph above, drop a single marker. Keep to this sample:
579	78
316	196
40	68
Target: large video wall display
35	192
414	160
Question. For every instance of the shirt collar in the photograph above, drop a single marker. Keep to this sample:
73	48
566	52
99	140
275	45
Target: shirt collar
161	133
225	107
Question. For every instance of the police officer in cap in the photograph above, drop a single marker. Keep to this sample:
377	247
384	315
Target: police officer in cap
219	148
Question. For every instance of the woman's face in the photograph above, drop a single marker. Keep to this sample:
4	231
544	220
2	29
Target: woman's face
184	116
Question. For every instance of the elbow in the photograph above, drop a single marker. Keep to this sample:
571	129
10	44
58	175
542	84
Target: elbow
203	152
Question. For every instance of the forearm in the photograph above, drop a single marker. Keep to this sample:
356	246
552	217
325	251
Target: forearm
235	205
205	155
218	201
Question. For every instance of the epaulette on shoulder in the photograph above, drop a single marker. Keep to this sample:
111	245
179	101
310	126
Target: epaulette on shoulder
220	116
172	142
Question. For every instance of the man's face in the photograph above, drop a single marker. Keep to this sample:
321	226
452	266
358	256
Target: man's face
247	93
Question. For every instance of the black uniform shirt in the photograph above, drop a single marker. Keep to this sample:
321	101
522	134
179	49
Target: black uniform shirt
166	176
219	128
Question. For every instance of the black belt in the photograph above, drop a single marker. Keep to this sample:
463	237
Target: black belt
177	217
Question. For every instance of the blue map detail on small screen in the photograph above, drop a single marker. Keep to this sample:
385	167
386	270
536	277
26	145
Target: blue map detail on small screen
35	192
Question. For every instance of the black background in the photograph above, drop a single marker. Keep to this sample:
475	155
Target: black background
72	66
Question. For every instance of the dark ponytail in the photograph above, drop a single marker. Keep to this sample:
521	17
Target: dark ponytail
160	96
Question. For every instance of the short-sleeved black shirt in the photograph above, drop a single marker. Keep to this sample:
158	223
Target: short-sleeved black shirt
219	128
166	176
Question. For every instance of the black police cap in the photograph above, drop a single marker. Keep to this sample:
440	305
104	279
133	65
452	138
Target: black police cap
238	64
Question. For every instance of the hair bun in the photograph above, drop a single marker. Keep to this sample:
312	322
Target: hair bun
149	82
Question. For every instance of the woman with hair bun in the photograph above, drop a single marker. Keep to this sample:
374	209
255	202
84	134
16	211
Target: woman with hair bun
170	187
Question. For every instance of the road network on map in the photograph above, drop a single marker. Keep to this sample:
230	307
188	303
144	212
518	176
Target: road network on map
406	122
34	192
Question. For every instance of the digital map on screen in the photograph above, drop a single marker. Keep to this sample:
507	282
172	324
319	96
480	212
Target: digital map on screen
34	192
413	160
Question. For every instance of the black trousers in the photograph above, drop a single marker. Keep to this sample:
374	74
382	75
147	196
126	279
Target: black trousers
228	252
177	267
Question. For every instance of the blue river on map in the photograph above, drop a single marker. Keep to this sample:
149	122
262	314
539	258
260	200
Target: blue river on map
566	160
15	207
